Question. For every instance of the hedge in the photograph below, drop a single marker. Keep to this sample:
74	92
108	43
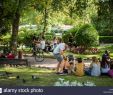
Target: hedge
106	39
87	36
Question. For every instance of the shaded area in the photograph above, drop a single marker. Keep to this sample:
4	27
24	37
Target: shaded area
47	77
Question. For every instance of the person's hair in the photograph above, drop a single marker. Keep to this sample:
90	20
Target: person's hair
104	62
79	60
54	38
59	39
95	59
43	38
107	52
65	58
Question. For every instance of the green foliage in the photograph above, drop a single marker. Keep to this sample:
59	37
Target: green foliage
104	18
81	5
68	34
106	39
49	36
6	38
25	36
87	36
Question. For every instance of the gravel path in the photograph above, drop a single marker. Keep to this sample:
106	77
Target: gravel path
48	62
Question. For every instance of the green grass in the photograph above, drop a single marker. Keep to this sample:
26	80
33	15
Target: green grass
46	77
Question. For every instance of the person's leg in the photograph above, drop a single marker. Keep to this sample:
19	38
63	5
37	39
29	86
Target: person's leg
58	66
59	59
88	71
63	66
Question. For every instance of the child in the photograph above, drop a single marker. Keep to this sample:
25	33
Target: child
79	67
66	66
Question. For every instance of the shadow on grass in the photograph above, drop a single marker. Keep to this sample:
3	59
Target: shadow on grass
46	77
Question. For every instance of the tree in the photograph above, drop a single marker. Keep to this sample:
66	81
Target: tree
13	10
104	18
44	7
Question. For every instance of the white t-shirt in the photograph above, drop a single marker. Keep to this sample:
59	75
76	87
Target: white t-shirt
54	43
42	44
59	48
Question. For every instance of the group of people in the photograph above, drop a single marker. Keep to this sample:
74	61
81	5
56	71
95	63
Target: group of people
43	44
10	55
68	65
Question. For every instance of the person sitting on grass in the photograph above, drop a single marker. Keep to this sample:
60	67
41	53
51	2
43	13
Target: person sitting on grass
66	67
105	66
110	72
79	67
10	55
106	55
94	69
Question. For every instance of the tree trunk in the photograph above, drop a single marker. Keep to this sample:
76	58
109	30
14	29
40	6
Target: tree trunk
45	21
15	26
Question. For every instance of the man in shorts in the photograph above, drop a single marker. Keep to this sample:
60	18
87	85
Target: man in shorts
58	52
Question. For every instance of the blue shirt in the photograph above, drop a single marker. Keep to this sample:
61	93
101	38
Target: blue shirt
95	71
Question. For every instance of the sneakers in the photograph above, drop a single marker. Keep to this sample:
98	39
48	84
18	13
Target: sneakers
61	73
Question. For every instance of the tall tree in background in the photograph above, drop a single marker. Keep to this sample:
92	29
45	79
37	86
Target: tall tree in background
104	17
47	7
44	7
13	10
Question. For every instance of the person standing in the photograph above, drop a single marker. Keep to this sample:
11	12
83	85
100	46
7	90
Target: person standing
42	44
58	53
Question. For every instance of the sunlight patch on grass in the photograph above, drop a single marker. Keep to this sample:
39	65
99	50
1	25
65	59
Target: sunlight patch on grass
46	77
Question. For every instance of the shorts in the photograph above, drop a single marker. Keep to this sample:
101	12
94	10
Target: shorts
58	57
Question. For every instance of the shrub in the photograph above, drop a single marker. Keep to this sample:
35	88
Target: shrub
87	36
68	34
25	36
6	38
106	39
49	36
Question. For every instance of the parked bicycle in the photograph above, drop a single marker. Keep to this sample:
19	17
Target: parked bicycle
38	54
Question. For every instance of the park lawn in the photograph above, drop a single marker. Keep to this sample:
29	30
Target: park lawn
47	77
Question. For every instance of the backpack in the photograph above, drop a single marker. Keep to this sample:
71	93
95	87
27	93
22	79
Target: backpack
70	57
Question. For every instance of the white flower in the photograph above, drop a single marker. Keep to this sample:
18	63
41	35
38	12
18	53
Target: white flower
89	84
79	84
66	83
73	83
58	84
61	82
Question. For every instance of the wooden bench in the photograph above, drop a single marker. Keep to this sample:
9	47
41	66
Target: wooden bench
13	61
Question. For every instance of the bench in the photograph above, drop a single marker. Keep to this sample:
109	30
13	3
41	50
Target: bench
14	61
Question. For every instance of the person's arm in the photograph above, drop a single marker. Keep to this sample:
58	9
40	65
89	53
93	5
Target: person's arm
62	52
62	49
